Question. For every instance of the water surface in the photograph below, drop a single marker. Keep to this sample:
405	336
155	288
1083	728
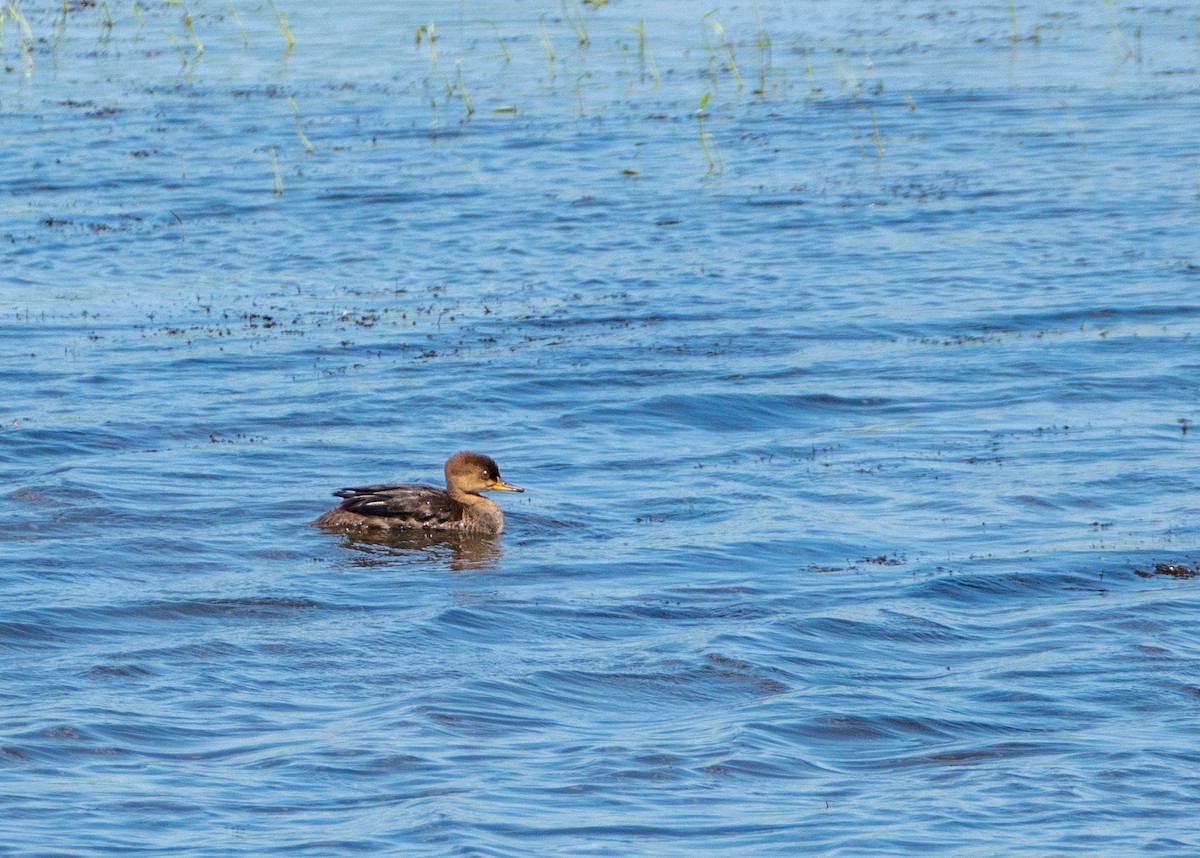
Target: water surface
854	416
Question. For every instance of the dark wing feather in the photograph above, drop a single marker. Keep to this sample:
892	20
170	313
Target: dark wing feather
378	488
416	504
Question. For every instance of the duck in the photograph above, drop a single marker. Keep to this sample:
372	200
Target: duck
414	506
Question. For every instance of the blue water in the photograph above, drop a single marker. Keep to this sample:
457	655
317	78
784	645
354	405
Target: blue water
857	433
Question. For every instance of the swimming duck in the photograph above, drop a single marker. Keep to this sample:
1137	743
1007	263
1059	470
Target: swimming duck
460	507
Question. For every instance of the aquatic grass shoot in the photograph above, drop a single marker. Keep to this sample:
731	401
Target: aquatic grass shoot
706	138
762	43
730	62
191	31
299	131
60	30
708	49
546	46
183	60
499	40
282	22
579	94
187	25
1118	38
428	34
813	89
278	190
577	24
238	23
18	17
25	40
632	169
875	136
645	58
1080	128
462	90
846	75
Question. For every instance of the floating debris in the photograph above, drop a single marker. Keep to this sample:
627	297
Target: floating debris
1170	570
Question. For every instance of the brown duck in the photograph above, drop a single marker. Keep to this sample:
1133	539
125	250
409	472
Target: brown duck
460	507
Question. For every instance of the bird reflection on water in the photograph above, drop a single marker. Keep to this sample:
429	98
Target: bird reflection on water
460	551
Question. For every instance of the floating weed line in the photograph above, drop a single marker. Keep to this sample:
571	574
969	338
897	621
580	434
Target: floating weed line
182	238
282	22
299	131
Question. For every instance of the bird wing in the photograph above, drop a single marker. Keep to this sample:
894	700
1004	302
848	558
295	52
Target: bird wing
419	504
